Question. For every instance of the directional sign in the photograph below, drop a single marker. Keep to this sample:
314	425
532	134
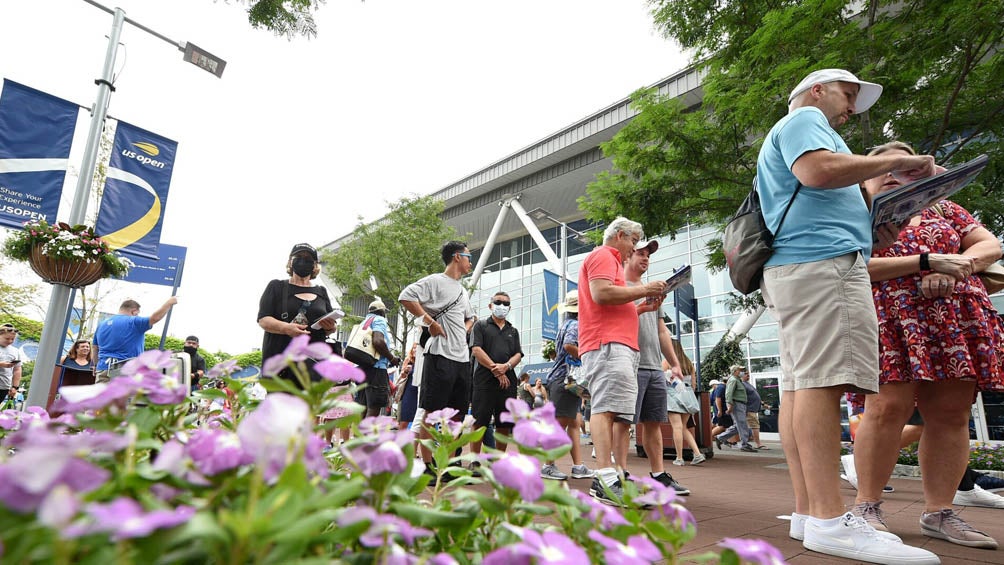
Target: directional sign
162	271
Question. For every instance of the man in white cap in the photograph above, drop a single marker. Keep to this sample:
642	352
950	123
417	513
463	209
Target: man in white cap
816	285
376	395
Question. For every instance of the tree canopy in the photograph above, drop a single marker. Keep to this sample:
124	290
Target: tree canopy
284	17
939	62
396	250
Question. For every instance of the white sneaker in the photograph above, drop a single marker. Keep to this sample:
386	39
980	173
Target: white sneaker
851	537
797	529
698	459
850	473
978	497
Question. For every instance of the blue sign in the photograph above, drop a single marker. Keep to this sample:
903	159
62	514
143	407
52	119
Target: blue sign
537	371
685	303
552	299
163	271
36	130
136	185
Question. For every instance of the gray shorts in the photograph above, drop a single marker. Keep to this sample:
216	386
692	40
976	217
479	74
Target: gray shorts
652	391
828	326
611	375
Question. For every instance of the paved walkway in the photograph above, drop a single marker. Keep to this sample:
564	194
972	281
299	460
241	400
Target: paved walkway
737	494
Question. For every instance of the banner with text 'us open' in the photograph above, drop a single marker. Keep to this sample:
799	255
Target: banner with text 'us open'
135	196
36	130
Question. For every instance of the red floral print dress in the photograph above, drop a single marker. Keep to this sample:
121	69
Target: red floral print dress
937	339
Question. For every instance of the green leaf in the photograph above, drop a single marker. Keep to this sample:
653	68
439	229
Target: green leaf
429	517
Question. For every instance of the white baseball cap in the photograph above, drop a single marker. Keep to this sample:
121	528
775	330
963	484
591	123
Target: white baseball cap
868	92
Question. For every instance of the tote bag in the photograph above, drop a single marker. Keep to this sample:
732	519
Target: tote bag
360	348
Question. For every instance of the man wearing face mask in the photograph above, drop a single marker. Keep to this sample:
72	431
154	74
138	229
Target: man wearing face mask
495	345
198	363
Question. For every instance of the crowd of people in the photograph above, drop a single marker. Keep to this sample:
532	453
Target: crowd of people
896	317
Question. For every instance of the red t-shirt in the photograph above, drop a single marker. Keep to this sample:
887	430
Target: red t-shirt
604	324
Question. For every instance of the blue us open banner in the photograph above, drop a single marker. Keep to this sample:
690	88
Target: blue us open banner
552	299
166	270
36	130
139	176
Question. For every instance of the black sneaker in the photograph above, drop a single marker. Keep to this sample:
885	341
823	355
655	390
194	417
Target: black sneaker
668	480
748	449
597	491
990	482
475	468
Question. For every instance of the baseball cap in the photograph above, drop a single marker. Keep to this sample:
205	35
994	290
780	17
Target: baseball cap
715	382
377	305
192	338
5	328
571	303
733	368
300	247
868	93
651	244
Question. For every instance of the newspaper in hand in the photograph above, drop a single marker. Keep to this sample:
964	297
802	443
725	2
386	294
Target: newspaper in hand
680	277
900	204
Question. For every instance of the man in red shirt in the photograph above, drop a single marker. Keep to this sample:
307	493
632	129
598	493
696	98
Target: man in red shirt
608	344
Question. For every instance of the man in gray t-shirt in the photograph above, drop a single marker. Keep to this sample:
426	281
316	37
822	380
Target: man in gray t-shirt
10	363
654	344
440	303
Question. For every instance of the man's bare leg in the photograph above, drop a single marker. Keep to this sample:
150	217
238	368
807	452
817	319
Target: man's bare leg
791	452
652	442
817	437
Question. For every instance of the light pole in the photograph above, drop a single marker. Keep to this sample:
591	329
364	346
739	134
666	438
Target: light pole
541	214
53	329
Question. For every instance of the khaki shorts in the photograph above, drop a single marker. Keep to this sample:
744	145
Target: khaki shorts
753	420
611	375
828	326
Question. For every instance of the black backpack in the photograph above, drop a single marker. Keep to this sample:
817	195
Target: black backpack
747	242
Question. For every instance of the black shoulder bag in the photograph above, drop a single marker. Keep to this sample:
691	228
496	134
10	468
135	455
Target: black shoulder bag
748	243
422	339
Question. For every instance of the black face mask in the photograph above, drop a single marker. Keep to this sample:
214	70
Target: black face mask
303	267
191	350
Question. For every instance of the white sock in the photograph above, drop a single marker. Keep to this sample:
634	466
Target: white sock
607	475
825	523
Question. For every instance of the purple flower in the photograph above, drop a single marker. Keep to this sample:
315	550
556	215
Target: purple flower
299	349
442	559
338	370
638	550
662	498
518	410
276	432
606	516
441	417
216	450
58	507
223	369
383	527
753	550
541	431
12	419
29	475
96	396
124	518
549	547
398	556
383	454
377	425
521	473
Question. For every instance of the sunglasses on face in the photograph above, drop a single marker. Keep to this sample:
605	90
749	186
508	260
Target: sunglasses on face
500	302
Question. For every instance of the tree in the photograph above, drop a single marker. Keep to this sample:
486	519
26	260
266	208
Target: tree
396	250
284	17
940	63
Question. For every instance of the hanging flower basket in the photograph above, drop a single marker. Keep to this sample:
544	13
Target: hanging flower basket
62	254
74	274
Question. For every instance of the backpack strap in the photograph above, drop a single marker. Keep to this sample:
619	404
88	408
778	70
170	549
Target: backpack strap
786	208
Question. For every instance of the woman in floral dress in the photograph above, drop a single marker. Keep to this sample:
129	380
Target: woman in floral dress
940	342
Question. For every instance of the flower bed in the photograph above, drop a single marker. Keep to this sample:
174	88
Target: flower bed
982	456
135	472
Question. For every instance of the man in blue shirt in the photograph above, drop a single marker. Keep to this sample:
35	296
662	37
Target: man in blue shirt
121	336
817	286
376	395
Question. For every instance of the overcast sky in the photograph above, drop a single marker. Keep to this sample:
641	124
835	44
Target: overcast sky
300	138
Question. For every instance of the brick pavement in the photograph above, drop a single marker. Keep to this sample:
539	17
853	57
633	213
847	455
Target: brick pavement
739	494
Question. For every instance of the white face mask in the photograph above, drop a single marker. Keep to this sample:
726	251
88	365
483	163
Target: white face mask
500	311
